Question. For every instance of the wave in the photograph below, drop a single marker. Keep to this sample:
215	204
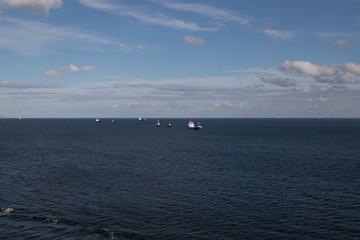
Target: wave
65	228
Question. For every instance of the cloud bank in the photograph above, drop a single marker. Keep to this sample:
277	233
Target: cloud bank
346	73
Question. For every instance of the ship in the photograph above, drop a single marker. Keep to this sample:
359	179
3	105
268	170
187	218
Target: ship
198	126
191	125
158	123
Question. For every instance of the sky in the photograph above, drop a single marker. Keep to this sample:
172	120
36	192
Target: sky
179	59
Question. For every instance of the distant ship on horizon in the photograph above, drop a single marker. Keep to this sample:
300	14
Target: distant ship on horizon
198	126
191	125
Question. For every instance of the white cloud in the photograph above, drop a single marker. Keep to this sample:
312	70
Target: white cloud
285	35
32	6
278	81
52	73
193	40
349	67
72	68
307	68
341	43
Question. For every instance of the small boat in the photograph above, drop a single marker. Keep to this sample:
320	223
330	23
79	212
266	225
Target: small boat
169	124
198	126
142	119
97	120
191	125
158	123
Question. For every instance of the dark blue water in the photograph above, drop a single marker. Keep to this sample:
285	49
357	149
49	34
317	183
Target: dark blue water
234	179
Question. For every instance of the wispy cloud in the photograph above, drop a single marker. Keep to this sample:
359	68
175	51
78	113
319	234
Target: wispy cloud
338	34
206	10
7	84
145	17
147	106
52	73
341	43
278	34
193	40
141	47
339	79
279	81
32	6
74	69
71	68
135	75
35	38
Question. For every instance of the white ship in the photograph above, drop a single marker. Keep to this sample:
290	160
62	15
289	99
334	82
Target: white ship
191	125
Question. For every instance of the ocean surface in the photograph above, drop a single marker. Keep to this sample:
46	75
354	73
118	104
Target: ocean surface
233	179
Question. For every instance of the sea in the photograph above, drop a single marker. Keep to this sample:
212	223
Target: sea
128	179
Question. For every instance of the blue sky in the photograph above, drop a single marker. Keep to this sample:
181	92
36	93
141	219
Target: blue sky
162	58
